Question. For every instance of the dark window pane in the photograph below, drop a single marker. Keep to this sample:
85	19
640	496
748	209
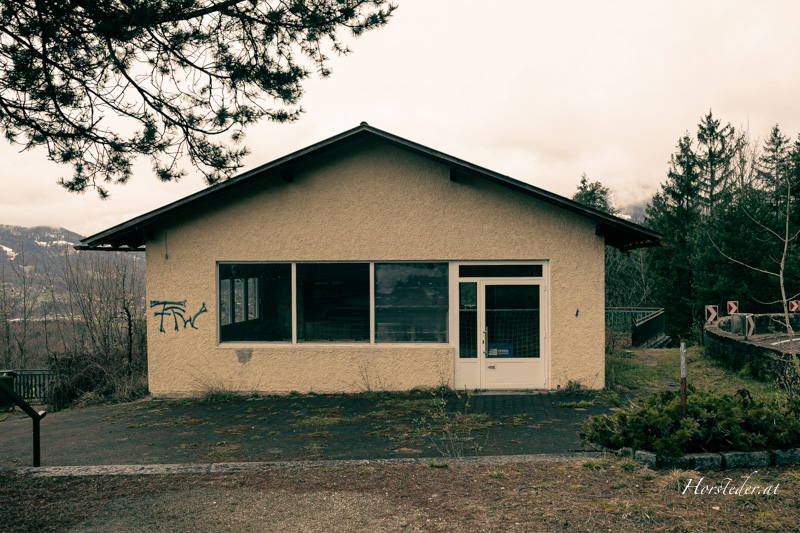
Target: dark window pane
512	320
468	320
262	302
333	302
500	271
411	302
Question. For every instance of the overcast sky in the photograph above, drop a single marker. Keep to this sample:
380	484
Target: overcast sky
541	91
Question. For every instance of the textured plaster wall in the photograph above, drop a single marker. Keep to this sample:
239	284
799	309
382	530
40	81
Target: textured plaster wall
368	202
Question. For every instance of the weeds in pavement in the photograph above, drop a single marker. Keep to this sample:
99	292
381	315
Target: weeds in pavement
582	404
321	421
451	432
517	420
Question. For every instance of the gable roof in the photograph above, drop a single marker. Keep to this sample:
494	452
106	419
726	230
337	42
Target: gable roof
131	235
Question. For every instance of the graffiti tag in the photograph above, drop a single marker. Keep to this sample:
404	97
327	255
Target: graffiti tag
177	310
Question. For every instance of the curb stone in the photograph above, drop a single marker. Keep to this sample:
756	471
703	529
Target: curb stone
713	461
745	459
216	468
647	458
787	457
705	461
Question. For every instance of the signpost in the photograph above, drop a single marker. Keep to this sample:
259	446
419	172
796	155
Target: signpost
712	314
683	379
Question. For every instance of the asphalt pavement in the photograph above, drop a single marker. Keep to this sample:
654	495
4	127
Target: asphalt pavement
304	428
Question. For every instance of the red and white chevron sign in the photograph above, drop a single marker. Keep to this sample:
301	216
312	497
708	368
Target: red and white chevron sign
733	307
712	313
751	326
794	306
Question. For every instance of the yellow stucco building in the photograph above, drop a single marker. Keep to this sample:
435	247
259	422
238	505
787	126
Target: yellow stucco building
367	261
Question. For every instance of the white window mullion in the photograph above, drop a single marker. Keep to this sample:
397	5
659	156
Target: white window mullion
372	303
294	303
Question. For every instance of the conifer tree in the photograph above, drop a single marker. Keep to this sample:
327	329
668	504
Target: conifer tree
774	165
594	195
675	212
99	83
714	154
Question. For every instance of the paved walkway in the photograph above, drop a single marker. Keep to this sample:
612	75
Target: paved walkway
277	430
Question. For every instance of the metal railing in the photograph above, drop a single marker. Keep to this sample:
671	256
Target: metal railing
648	327
31	385
8	396
643	323
620	318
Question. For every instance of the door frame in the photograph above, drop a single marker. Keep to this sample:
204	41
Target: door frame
483	360
469	373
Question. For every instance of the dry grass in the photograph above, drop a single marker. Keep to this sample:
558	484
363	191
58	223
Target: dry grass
528	497
649	370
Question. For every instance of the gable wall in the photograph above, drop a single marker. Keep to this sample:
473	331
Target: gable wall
370	202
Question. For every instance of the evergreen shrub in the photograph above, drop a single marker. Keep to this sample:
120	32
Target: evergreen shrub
714	422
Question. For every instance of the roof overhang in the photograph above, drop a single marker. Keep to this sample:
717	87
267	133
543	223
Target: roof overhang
132	235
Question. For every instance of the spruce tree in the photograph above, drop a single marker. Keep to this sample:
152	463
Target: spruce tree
773	166
595	195
675	212
714	154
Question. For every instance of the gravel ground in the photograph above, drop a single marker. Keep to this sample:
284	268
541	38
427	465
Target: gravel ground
211	509
600	494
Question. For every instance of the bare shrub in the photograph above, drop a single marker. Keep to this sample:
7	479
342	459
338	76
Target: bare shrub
98	311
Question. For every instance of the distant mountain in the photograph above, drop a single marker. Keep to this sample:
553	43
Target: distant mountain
18	242
636	212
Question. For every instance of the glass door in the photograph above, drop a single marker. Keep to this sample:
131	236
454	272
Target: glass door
511	334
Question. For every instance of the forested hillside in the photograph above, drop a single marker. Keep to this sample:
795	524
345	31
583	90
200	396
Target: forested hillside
16	242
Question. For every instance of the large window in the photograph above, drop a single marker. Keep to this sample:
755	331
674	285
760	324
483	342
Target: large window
331	302
255	302
411	302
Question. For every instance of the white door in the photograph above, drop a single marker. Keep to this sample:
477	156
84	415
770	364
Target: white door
511	347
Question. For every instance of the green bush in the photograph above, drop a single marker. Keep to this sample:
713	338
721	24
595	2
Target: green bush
714	422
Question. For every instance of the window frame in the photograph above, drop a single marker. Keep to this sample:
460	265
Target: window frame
368	337
463	364
258	306
445	286
294	297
